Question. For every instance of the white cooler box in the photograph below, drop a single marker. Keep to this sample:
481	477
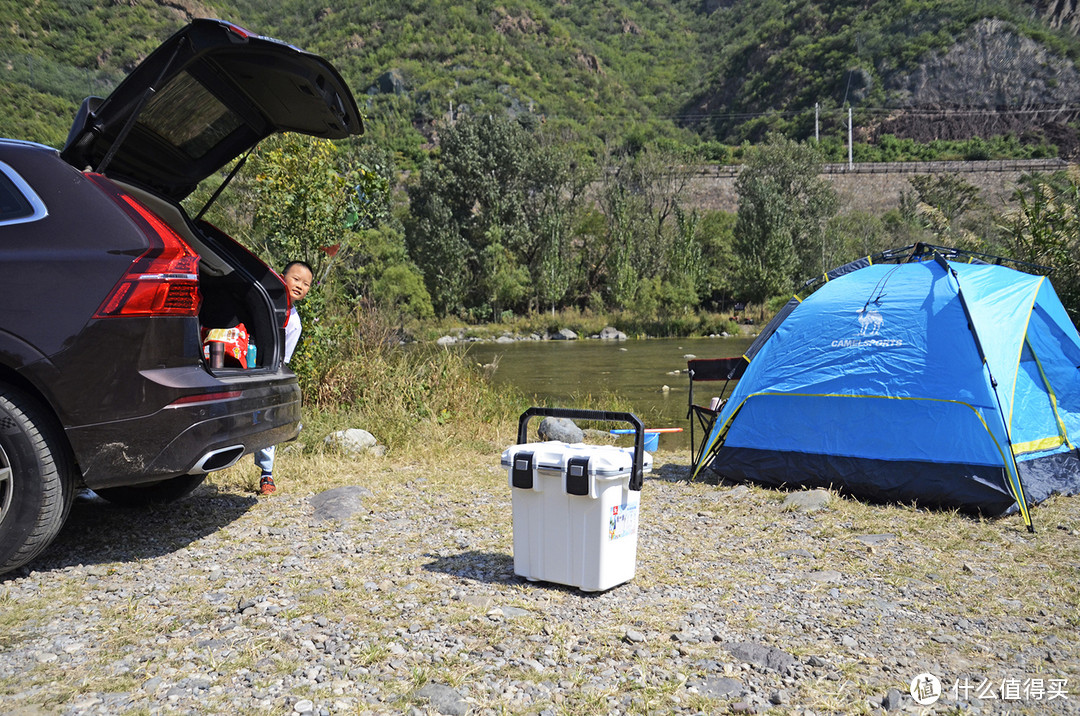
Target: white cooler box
575	516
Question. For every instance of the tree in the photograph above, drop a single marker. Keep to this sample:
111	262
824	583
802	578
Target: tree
623	240
953	211
784	206
302	200
1045	229
495	180
504	281
648	234
716	232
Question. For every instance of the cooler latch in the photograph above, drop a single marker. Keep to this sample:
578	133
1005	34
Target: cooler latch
577	476
521	472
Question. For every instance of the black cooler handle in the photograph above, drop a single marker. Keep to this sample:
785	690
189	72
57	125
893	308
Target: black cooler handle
637	476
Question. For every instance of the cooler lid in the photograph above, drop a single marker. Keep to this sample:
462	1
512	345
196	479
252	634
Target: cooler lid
604	460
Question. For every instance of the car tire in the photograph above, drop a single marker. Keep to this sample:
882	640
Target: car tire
152	493
36	479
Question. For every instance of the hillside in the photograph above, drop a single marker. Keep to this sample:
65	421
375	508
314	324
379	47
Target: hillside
609	71
926	70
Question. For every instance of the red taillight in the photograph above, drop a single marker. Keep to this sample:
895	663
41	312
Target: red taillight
164	281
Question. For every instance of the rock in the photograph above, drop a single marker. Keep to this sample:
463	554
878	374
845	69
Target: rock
447	341
791	553
444	699
561	429
891	702
808	501
389	82
825	576
340	503
767	656
353	441
719	687
873	540
564	334
599	437
991	65
612	334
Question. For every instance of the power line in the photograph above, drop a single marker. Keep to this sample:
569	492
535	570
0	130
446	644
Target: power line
864	111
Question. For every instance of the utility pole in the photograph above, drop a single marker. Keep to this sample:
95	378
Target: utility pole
849	163
817	135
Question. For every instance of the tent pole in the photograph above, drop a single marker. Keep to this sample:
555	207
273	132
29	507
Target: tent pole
1010	459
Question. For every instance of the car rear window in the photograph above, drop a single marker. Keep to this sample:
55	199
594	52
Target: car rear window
204	123
18	202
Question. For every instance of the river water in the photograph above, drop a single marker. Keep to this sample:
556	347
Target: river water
594	373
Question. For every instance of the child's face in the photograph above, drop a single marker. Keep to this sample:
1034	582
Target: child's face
298	282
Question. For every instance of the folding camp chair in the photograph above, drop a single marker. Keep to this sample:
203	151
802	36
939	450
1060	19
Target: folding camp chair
704	415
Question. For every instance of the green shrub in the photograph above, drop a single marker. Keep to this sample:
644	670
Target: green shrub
353	363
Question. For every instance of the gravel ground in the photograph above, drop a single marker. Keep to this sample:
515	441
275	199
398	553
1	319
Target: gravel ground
407	602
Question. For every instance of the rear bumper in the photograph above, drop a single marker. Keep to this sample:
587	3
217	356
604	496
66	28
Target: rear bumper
243	416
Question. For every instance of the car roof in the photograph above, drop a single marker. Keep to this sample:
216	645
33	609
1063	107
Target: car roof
206	95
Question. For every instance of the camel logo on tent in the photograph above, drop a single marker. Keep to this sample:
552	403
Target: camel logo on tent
870	323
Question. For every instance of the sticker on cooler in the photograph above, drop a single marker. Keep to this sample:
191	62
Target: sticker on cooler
623	522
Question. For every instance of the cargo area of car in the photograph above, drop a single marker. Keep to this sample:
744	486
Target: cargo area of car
231	297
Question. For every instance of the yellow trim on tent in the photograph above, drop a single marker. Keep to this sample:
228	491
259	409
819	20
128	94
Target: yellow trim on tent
1049	442
1037	445
1062	432
1020	355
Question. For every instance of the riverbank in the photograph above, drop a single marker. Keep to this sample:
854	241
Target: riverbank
231	603
618	325
608	333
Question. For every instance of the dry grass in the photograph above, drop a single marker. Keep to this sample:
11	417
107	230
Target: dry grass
1017	592
436	529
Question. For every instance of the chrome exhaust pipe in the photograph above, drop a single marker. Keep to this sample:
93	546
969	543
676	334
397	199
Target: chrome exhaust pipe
218	460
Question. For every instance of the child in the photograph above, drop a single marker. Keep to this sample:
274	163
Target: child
298	277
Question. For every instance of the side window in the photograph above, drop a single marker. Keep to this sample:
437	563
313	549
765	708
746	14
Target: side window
18	202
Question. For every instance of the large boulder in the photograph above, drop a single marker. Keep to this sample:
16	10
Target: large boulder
389	82
339	503
561	429
353	441
612	334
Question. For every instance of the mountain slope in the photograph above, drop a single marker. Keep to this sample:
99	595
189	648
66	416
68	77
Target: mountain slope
606	72
774	61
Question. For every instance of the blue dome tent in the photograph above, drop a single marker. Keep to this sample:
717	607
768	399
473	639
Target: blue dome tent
922	375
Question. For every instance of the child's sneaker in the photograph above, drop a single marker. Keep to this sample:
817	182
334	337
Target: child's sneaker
266	484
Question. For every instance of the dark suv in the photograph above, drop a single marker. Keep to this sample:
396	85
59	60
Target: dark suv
108	283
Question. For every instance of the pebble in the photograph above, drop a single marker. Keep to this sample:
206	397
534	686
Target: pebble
230	604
